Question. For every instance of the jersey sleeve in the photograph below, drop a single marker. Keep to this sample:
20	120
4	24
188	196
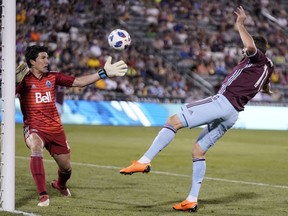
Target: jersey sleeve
64	80
257	57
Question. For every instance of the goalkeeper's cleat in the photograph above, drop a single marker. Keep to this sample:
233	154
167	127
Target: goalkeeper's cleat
136	167
63	190
186	206
44	200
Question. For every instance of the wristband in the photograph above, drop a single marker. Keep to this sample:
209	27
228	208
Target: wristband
102	73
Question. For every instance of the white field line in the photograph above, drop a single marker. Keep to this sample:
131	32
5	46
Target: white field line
20	212
172	174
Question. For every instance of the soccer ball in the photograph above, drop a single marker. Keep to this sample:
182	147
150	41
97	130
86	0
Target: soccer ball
119	39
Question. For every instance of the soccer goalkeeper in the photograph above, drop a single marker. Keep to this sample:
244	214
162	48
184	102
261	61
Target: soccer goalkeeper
42	125
218	112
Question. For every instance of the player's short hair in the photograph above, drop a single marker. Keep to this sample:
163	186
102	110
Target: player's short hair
260	43
31	53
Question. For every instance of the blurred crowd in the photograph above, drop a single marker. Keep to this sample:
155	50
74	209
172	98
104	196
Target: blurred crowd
200	33
203	33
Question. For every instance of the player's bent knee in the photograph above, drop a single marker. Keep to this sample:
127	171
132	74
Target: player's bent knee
63	161
34	142
197	151
65	169
175	122
36	148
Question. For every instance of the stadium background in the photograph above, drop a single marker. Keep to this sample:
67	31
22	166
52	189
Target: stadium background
180	49
179	52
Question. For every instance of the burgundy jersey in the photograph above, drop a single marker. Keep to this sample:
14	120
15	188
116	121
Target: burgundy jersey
247	79
37	100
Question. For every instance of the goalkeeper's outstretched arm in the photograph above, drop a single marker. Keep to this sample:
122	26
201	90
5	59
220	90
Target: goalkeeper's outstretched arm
110	70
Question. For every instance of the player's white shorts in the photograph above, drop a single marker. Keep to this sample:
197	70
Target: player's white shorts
216	112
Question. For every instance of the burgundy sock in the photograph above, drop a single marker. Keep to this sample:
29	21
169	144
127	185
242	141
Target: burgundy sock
38	173
63	177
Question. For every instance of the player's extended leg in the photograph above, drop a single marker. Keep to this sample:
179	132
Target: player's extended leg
164	137
190	115
64	173
35	143
198	173
208	137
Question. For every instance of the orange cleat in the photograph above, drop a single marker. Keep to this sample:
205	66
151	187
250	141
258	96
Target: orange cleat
136	167
186	206
63	190
44	200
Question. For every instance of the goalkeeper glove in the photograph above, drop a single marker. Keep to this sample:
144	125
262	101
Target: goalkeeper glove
110	70
21	72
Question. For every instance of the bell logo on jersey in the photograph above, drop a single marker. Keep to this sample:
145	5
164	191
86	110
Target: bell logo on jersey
43	98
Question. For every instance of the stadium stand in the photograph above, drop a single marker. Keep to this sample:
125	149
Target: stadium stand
180	52
202	42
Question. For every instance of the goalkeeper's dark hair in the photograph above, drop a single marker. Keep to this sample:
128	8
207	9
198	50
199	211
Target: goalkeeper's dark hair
260	43
31	53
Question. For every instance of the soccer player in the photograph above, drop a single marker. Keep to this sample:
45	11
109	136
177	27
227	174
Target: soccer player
36	88
218	113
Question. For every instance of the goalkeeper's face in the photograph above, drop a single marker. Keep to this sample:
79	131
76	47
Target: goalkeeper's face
41	62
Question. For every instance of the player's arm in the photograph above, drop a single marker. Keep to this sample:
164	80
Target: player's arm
267	89
246	38
21	72
110	70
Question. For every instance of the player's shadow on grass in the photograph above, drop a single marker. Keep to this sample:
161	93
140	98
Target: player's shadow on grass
231	198
155	207
224	199
29	195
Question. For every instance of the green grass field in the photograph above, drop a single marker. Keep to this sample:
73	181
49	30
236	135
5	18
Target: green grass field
247	173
